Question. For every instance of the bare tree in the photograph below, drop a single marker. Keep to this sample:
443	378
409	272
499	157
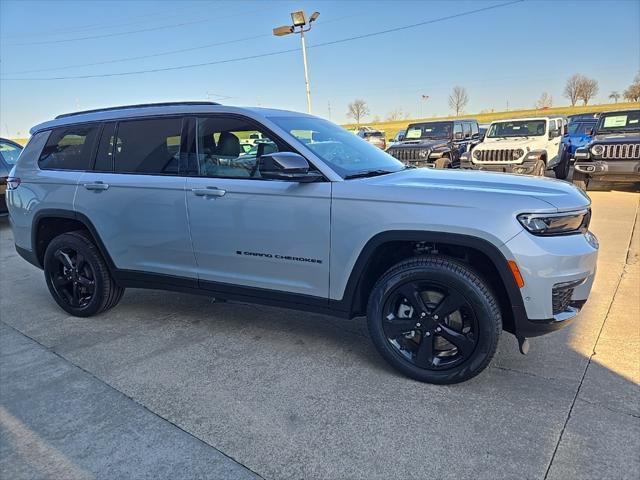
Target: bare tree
397	114
458	99
615	96
357	110
572	88
632	93
588	89
545	101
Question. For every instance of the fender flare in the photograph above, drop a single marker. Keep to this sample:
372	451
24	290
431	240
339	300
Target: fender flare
350	299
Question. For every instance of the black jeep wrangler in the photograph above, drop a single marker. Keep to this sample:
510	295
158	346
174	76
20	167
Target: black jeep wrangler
613	155
436	144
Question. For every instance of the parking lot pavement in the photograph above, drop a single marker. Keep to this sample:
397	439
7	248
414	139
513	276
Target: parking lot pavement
297	395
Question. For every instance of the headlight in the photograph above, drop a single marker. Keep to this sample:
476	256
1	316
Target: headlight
597	150
477	154
549	224
423	153
518	153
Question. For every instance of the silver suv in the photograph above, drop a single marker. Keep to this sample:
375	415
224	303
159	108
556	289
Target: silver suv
317	219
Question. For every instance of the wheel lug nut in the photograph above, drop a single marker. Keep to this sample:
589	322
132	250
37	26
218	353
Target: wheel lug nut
435	317
428	334
418	325
438	329
423	314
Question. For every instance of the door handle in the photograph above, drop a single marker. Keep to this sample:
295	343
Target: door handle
96	186
208	192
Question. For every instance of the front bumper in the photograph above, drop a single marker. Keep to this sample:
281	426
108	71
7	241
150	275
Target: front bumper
548	264
610	170
525	167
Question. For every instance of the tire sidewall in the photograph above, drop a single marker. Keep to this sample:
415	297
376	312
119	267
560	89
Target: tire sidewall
488	331
71	241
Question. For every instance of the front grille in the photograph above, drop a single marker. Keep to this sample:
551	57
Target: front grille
621	151
406	154
502	155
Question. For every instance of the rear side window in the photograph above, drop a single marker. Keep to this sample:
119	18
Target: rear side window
474	128
69	148
147	146
467	129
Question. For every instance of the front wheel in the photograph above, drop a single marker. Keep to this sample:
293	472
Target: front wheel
539	168
580	180
434	319
443	162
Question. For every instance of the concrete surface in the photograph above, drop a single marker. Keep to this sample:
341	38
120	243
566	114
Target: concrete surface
296	395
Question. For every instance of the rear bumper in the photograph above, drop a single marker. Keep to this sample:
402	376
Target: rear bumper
610	170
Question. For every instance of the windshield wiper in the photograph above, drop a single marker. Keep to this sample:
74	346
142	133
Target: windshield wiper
367	173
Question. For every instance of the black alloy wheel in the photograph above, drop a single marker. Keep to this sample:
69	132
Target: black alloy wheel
78	276
72	277
431	325
434	319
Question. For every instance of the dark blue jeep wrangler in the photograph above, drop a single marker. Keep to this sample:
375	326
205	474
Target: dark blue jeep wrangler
579	134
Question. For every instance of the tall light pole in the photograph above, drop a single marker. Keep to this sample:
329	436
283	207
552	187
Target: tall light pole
299	22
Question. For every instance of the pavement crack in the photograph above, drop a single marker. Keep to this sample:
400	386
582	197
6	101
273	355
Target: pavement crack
613	410
66	360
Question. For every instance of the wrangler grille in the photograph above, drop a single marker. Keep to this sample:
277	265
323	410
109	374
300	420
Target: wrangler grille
621	151
502	155
406	154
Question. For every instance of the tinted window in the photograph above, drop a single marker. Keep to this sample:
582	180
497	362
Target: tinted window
457	128
147	146
474	128
467	129
69	148
104	157
230	147
9	152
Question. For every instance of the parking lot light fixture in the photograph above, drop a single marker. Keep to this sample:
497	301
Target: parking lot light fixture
299	20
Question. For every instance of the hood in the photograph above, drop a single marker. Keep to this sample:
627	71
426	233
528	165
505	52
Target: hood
502	189
624	137
508	142
421	143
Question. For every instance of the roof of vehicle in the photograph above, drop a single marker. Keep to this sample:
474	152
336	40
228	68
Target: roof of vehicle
155	109
445	120
528	119
6	140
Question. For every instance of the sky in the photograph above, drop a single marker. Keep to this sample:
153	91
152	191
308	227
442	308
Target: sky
505	57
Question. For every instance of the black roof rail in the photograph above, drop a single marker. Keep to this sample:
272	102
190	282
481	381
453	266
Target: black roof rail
141	105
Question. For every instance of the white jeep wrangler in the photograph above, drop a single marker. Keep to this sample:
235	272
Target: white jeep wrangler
525	145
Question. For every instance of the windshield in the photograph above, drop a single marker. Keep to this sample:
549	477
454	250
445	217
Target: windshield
344	152
10	152
620	122
521	128
581	128
429	130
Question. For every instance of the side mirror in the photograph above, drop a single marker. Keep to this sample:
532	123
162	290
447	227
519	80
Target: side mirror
458	136
590	132
286	166
554	133
400	137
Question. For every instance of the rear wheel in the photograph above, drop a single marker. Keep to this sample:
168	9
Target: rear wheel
78	277
434	320
580	180
443	162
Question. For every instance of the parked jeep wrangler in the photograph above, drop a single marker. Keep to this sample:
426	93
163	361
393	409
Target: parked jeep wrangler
614	152
526	145
317	219
436	144
579	134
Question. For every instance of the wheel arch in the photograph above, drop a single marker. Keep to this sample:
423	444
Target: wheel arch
394	246
49	223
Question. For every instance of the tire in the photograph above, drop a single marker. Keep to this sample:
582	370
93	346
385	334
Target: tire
539	168
562	169
580	180
78	277
443	162
400	321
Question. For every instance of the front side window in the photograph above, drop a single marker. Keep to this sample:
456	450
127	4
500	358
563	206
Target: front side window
346	153
518	128
69	148
149	146
9	152
230	147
